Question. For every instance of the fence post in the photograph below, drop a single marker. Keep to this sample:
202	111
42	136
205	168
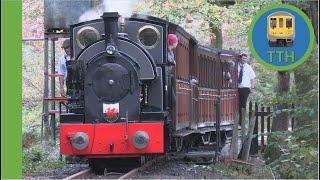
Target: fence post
254	143
244	129
234	140
247	143
262	129
45	118
254	147
268	120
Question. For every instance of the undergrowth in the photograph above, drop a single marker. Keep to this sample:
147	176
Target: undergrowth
243	171
294	154
37	157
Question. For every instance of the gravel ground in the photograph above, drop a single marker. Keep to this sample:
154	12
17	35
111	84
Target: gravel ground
60	173
178	169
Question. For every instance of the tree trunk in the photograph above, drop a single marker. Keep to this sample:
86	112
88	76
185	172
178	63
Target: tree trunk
313	15
281	121
311	9
217	41
303	82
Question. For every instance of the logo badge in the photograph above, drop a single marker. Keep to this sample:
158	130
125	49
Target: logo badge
111	112
281	37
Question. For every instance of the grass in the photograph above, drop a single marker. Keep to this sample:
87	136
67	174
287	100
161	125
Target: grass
37	157
40	158
242	171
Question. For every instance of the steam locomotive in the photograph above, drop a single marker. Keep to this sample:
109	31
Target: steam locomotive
119	90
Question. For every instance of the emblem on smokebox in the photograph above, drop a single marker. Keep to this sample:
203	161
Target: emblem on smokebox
111	112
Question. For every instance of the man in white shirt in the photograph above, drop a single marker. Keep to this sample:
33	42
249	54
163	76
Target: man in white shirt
62	65
246	80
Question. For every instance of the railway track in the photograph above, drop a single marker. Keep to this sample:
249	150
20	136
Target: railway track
127	174
88	174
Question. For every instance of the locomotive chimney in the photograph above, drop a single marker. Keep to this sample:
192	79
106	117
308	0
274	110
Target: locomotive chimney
111	28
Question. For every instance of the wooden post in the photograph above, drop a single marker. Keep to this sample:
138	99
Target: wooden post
262	129
53	88
254	144
45	129
268	120
234	141
243	124
247	143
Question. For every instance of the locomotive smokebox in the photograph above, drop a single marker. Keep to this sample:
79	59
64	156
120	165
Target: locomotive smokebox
111	27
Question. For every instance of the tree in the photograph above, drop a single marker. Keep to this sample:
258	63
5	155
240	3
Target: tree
304	75
281	121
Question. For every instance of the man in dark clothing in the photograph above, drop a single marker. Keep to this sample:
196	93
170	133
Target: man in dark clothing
246	84
246	80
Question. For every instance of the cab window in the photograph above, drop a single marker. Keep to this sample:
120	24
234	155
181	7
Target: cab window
280	22
273	23
289	22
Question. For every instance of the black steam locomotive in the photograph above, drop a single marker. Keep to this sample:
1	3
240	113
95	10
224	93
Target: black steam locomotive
119	93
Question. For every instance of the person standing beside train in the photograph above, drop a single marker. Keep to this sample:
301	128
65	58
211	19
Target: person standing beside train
62	69
246	80
246	85
172	43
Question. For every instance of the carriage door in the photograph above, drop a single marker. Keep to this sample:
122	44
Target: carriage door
194	81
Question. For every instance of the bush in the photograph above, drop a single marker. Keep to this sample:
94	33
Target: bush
37	157
294	154
40	158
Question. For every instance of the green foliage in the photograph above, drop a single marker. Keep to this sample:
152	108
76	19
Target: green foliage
32	74
294	154
265	84
40	158
31	126
243	171
306	103
37	157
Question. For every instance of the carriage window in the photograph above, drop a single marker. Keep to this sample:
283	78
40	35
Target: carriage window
86	36
289	22
273	23
148	36
280	22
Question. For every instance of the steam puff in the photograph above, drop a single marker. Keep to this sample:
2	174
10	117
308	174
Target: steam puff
90	15
123	7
